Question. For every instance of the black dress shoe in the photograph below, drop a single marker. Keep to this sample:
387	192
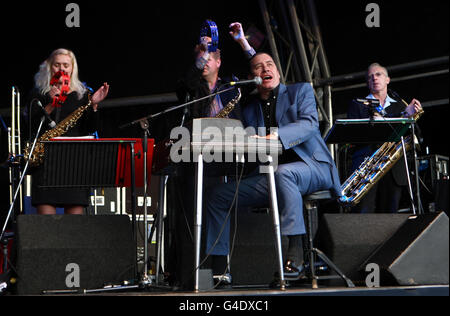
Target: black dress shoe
222	281
292	271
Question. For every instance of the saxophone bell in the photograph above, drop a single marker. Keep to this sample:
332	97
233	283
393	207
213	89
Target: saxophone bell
35	156
230	106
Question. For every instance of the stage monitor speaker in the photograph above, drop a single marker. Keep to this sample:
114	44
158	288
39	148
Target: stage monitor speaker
349	239
73	252
417	254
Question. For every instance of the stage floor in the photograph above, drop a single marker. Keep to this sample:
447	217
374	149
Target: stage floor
425	290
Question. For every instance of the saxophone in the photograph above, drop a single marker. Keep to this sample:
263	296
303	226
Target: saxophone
373	169
230	106
37	156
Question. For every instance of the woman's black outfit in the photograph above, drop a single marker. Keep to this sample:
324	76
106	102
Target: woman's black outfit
86	125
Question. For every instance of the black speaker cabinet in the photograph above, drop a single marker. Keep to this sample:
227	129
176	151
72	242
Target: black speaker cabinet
254	258
417	254
349	239
73	252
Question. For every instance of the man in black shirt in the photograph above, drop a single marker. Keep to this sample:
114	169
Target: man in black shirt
287	113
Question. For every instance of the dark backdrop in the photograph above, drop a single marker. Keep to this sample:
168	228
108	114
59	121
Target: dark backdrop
143	47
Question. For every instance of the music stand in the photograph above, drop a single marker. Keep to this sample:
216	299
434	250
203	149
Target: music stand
75	163
368	131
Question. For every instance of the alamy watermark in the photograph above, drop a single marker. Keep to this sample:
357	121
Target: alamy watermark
229	144
373	278
73	278
73	18
373	19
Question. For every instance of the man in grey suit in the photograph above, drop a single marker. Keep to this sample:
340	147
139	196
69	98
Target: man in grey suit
304	167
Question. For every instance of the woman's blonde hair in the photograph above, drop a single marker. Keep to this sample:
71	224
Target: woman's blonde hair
43	77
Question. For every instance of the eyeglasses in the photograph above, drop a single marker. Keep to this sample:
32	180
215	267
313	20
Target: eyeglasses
377	75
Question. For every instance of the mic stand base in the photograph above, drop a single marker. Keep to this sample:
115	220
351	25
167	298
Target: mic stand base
145	281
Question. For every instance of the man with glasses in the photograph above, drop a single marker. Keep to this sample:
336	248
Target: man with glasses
385	196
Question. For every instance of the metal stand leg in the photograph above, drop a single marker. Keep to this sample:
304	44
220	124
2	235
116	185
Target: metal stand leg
161	207
145	280
198	217
416	170
312	208
133	208
411	195
276	222
312	263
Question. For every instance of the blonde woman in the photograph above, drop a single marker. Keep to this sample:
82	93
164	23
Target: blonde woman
49	93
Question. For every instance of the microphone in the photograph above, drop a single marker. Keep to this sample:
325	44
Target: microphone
368	101
373	104
51	123
256	80
394	94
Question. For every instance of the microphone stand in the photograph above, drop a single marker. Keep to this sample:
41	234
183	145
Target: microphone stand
152	116
410	189
145	281
416	168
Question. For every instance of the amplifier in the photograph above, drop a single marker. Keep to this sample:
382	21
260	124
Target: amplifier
434	166
433	171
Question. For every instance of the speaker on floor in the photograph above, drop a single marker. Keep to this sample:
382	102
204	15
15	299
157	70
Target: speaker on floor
73	252
254	258
417	254
349	239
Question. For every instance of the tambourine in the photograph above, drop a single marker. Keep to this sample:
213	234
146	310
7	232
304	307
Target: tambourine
209	29
63	78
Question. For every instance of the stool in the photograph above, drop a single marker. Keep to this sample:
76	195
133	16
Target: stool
311	201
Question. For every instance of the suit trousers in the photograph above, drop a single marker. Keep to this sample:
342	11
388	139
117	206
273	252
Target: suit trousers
292	180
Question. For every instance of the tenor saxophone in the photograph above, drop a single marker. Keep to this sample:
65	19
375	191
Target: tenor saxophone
373	169
37	156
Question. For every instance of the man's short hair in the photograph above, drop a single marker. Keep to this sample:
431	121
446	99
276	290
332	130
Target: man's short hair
260	53
257	54
378	65
216	55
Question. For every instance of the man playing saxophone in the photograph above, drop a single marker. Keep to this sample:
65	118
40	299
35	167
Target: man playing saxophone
384	196
59	92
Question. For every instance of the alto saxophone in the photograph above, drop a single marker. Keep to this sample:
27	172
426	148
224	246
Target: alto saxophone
230	106
37	156
373	169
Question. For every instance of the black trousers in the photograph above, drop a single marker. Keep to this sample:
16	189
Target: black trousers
383	197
